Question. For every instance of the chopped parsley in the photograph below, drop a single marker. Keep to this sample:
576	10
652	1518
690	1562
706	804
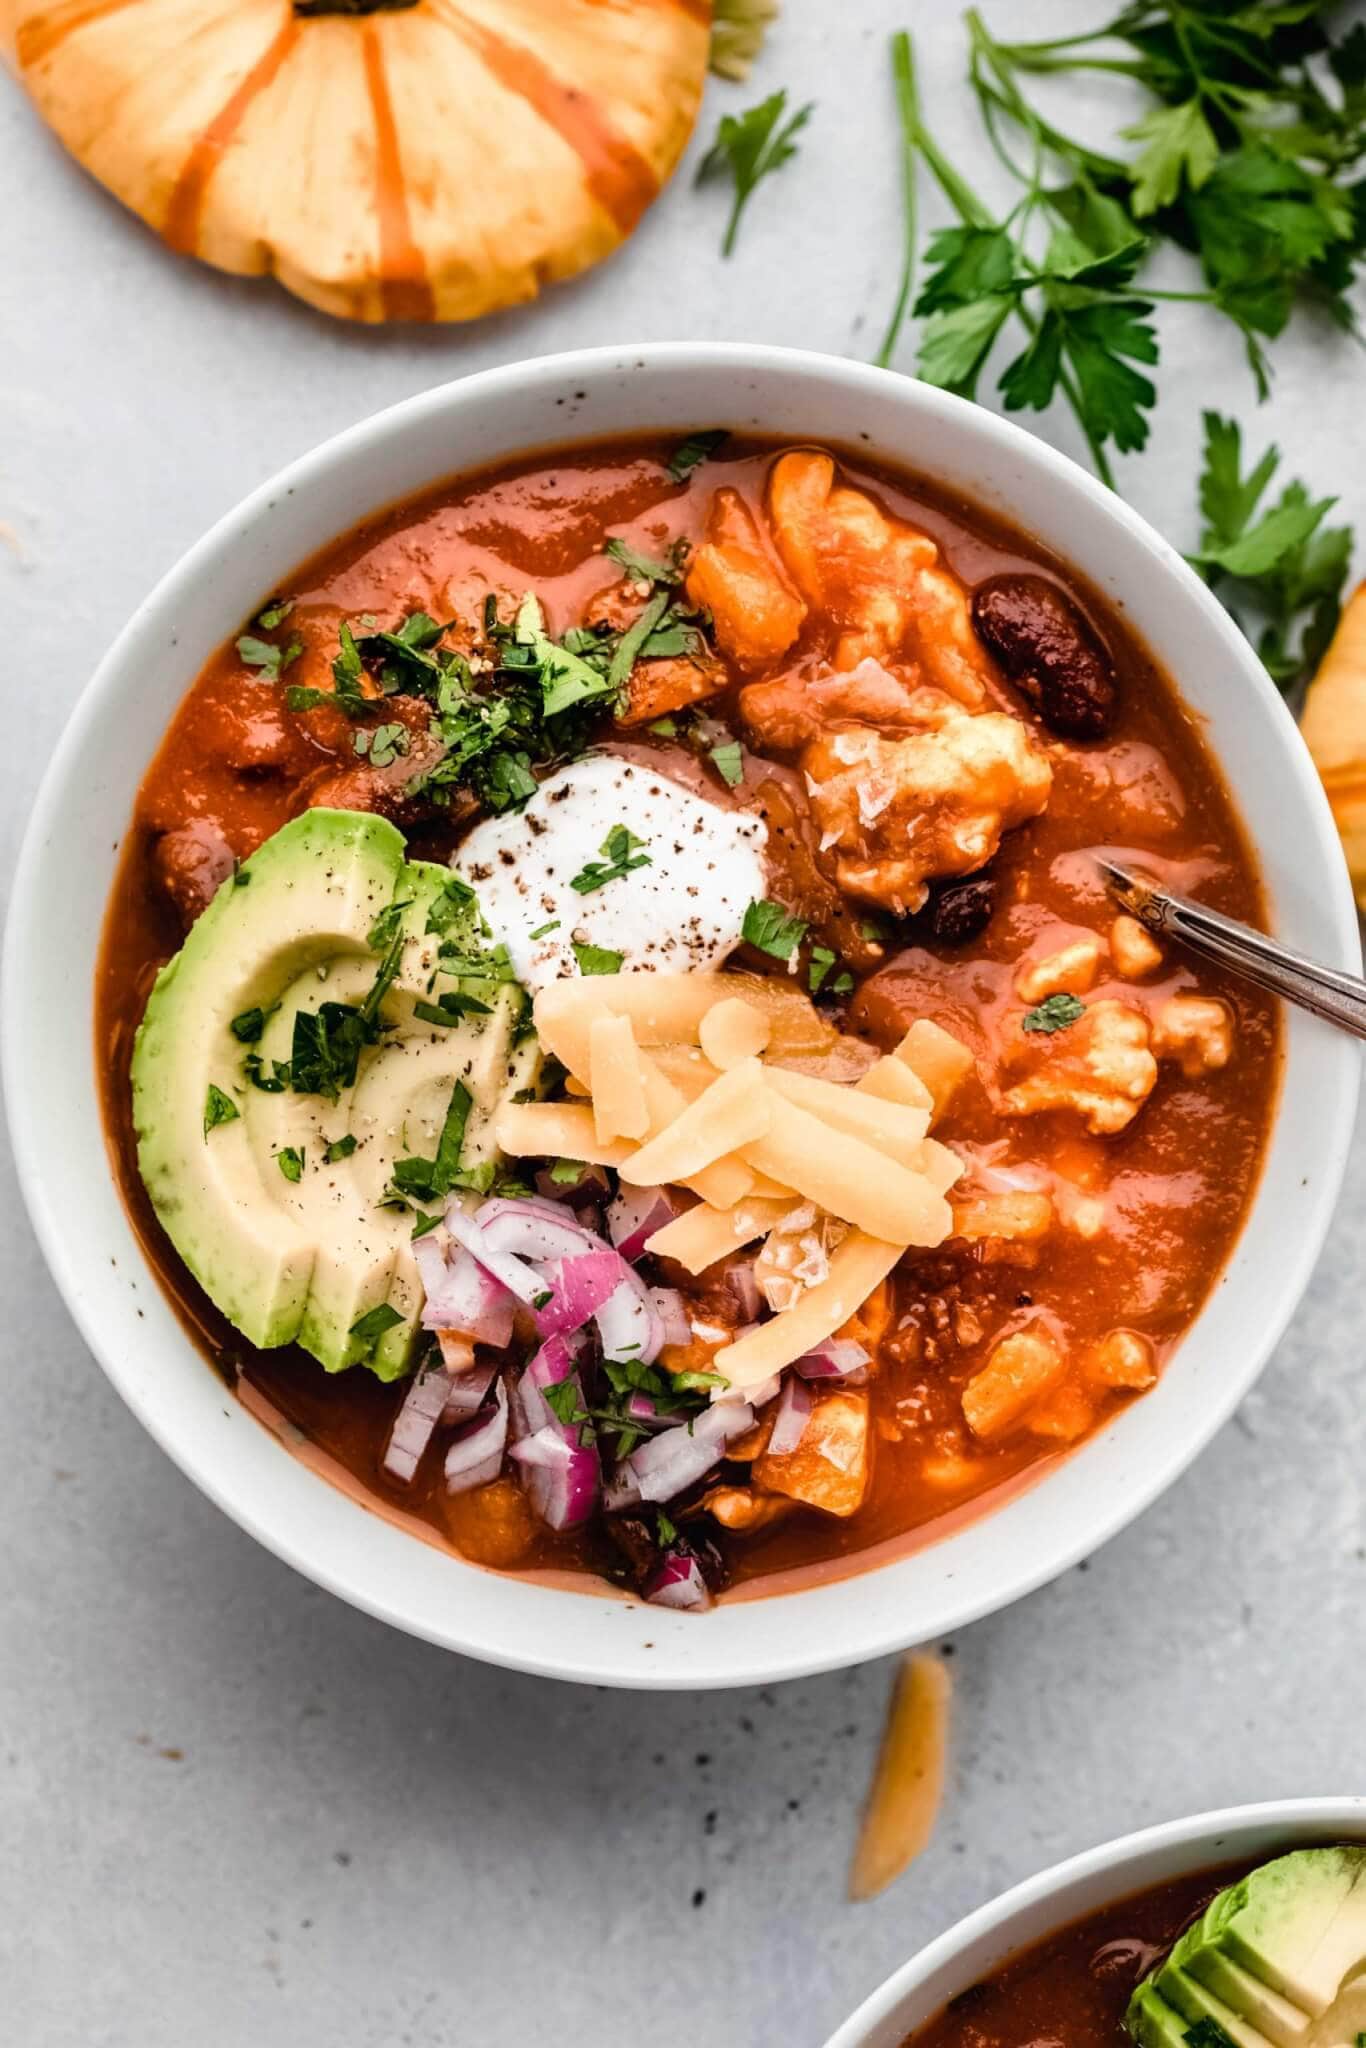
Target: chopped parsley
697	449
648	568
291	1163
340	1148
218	1109
247	1026
382	746
821	962
666	1530
567	1173
748	147
597	959
773	929
455	904
1054	1013
264	655
429	1180
666	727
387	926
729	762
698	1382
424	1222
543	930
274	614
621	854
449	1008
374	1324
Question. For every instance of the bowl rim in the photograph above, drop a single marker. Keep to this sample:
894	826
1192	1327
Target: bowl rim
805	1652
1220	1829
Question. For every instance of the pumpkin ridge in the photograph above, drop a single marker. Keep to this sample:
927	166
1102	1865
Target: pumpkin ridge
180	229
403	282
41	34
616	174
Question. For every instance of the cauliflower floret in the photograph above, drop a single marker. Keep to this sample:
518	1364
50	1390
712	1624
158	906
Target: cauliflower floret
880	581
1133	949
1019	1371
1123	1359
901	811
1196	1031
740	1507
756	612
1099	1066
1069	971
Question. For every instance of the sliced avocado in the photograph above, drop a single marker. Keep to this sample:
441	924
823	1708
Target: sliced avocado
1152	2022
1275	1961
308	897
306	1257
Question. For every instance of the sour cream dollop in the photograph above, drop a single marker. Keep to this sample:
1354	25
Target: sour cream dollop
683	910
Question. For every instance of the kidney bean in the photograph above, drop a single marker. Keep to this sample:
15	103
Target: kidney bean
958	911
1049	651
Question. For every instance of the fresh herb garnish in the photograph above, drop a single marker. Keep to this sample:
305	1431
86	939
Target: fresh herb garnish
621	854
450	1007
1245	157
665	1529
218	1109
382	746
543	930
773	930
387	926
340	1148
423	1222
647	568
273	1082
274	614
429	1180
567	1173
748	147
597	959
1054	1013
728	759
266	656
1282	562
374	1324
291	1163
698	1382
247	1026
697	449
821	962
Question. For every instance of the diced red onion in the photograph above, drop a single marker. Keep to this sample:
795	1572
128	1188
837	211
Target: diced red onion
744	1285
578	1288
530	1231
461	1295
553	1364
636	1214
519	1279
466	1392
838	1358
641	1408
679	1583
415	1423
662	1468
669	1306
590	1179
475	1457
562	1481
794	1412
628	1323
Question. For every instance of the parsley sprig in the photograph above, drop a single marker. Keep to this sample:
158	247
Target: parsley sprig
1279	561
748	148
1242	159
621	854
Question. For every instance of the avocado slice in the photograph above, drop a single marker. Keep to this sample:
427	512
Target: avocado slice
1275	1961
304	1256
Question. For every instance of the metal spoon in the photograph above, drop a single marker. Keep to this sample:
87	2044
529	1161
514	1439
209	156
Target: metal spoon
1327	991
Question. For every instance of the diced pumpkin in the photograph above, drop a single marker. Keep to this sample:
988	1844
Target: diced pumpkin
1020	1370
755	611
830	1466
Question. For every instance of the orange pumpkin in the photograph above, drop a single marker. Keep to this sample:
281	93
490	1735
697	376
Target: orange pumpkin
385	159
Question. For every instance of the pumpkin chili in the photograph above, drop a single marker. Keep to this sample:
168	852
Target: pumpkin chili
912	727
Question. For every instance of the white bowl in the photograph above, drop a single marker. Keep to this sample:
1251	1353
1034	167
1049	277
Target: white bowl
1044	1905
59	900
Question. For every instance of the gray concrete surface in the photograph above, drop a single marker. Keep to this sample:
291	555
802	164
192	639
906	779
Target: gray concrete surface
234	1812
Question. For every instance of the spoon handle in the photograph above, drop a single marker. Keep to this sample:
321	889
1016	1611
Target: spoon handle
1328	992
